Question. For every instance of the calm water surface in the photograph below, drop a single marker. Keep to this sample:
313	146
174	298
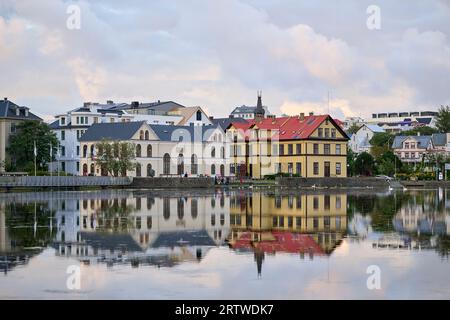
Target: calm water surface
259	244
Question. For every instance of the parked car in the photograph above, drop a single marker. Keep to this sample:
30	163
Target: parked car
387	178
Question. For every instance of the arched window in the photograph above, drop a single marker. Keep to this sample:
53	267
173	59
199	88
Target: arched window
147	135
222	152
213	169
180	164
194	165
141	135
199	115
85	151
92	150
149	151
92	168
194	208
166	208
138	170
213	152
180	208
222	170
166	164
85	169
138	151
149	170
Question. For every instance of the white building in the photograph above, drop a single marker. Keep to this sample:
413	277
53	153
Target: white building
396	122
160	150
359	141
70	126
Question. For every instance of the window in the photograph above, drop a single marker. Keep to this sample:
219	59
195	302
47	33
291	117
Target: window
316	223
326	148
299	202
166	164
78	120
316	148
138	170
85	120
290	167
112	120
78	150
198	115
213	220
141	135
299	148
327	132
338	202
213	169
180	208
166	208
138	151
316	203
149	222
149	170
290	149
63	166
320	132
85	151
333	133
149	151
327	201
281	150
63	121
338	168
298	166
338	149
406	145
326	222
78	166
63	151
147	135
232	168
194	165
63	135
298	222
290	222
194	208
213	152
95	119
316	168
278	202
281	221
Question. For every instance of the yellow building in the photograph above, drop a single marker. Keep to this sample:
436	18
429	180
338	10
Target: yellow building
310	147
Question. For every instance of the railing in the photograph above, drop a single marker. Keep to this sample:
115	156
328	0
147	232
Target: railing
45	181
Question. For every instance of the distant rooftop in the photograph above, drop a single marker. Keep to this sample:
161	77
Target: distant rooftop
10	110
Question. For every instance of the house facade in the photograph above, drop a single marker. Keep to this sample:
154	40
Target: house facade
311	146
160	150
360	141
412	149
11	115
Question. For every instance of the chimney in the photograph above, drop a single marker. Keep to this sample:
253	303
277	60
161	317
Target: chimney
86	104
311	113
302	116
5	98
211	117
109	102
135	104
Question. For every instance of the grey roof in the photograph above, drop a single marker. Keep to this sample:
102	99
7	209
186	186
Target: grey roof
439	139
112	131
225	122
8	110
180	238
105	241
423	141
247	109
55	126
164	106
187	133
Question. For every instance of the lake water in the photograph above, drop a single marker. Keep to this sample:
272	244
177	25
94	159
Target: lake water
225	244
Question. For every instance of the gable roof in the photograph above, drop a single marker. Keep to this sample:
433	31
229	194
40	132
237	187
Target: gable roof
189	133
112	131
439	139
290	128
374	128
225	122
8	110
186	113
423	141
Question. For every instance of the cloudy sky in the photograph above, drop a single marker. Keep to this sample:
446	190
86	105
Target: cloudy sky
218	53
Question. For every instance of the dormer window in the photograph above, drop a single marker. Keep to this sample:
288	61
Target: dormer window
62	121
199	115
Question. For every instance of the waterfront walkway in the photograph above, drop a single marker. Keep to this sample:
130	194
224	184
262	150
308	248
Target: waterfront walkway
63	182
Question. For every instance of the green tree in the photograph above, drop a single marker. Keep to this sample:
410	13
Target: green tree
115	157
424	131
353	129
365	164
443	119
388	163
350	162
21	146
382	139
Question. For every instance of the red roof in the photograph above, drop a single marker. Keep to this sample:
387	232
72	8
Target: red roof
283	242
289	128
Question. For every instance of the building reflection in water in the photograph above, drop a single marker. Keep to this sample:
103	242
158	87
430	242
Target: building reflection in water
141	229
302	224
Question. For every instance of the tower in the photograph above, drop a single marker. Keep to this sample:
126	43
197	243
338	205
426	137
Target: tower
259	111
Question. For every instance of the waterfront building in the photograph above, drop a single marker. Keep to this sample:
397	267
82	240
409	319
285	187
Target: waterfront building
396	122
11	115
160	150
306	146
415	149
360	141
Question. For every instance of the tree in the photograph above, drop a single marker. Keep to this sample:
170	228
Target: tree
423	130
115	157
353	129
350	162
443	119
21	146
382	139
365	164
388	163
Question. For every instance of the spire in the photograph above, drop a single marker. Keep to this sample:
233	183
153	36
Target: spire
259	110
